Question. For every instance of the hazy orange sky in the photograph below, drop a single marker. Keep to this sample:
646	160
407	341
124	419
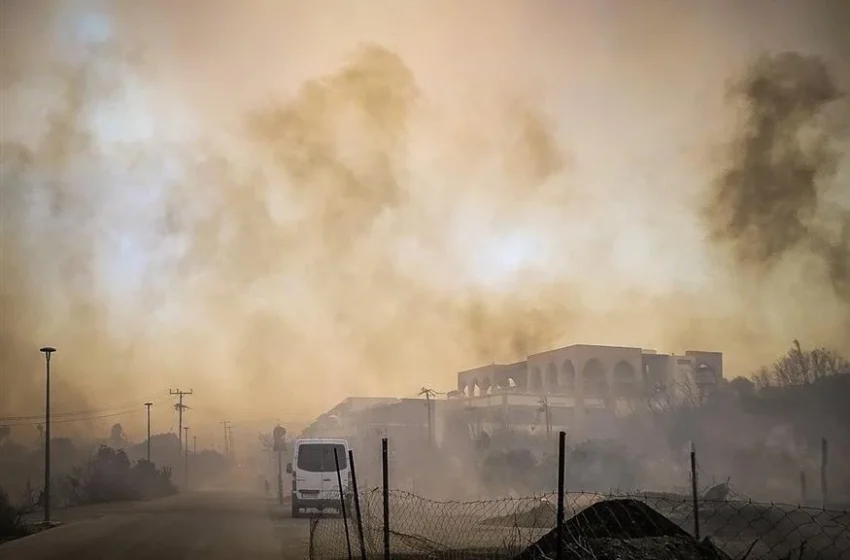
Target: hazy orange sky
283	203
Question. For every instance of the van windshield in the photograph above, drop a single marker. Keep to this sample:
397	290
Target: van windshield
319	457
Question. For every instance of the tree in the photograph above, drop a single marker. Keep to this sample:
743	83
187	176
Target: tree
679	394
12	521
150	481
110	476
801	367
117	439
742	387
676	410
266	441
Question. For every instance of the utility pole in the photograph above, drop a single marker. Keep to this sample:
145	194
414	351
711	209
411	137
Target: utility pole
47	351
194	452
226	425
429	393
186	458
230	440
148	405
180	406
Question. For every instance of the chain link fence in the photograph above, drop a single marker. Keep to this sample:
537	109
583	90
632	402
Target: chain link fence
647	525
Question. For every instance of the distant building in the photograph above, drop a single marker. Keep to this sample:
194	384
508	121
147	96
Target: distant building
338	420
581	387
378	417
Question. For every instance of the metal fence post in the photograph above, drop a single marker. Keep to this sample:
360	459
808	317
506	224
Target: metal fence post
280	477
357	504
694	489
824	460
314	523
386	483
342	503
562	453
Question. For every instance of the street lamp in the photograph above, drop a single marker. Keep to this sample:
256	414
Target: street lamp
47	351
279	433
148	405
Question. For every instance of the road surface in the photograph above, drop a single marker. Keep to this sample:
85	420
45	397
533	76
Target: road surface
203	525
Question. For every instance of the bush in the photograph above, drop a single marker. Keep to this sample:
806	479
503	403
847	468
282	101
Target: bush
502	468
109	477
151	482
106	478
12	523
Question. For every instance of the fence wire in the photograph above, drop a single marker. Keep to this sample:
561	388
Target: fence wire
641	526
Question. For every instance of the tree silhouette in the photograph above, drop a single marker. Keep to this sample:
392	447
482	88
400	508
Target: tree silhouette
741	387
802	367
117	439
266	441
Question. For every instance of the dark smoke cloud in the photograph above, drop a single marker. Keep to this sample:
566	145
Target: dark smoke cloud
769	203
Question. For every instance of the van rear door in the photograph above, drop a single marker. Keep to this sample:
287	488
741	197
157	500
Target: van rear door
316	467
308	478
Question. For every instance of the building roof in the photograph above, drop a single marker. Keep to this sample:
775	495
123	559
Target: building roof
406	411
377	410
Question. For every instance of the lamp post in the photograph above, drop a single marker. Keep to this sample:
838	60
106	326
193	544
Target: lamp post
148	405
47	351
279	433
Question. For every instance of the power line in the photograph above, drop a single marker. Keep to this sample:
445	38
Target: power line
70	415
421	393
89	411
82	412
68	420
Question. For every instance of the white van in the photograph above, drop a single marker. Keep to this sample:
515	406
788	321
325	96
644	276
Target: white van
314	481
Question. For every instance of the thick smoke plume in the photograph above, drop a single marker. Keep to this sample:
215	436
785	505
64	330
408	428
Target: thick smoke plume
321	272
334	218
772	200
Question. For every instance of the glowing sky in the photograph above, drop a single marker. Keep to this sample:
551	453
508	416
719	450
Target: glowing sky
493	251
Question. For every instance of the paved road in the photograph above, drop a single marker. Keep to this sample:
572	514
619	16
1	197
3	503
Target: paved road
204	525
